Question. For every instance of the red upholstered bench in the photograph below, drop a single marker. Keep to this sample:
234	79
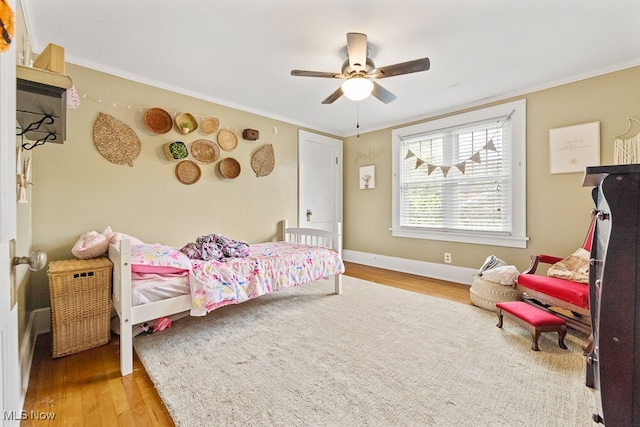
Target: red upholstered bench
534	319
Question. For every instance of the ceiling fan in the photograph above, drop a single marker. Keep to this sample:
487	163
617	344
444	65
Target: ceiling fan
359	70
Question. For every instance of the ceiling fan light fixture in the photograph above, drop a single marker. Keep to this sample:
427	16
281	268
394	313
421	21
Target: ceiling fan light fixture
357	87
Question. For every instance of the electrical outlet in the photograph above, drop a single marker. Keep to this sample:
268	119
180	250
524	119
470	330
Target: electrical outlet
447	257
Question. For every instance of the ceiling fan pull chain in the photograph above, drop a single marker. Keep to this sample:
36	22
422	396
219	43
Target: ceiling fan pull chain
358	119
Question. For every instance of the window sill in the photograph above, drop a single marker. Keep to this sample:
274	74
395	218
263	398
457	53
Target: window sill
479	239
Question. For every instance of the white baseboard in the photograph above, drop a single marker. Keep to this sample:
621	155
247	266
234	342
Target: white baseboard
450	273
39	323
42	321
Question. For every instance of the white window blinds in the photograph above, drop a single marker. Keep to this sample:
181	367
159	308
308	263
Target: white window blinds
458	178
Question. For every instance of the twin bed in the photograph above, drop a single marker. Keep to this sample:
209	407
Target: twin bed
301	255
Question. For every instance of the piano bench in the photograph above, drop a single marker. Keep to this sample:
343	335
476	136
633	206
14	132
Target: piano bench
534	319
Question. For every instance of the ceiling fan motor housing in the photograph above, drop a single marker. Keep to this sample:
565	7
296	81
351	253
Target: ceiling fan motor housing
347	71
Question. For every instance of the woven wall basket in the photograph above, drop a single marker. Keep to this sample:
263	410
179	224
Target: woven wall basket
188	120
227	140
205	151
210	125
229	168
263	161
157	120
115	140
188	172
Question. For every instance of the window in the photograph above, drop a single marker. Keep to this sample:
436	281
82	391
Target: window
462	178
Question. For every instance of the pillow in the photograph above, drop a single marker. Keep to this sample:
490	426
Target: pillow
115	237
575	267
159	259
504	275
90	245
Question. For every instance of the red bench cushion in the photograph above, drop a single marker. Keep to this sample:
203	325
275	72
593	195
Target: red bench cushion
565	290
530	314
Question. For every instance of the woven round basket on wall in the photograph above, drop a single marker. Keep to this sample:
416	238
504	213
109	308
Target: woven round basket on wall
188	172
227	140
210	125
157	120
229	168
486	294
205	151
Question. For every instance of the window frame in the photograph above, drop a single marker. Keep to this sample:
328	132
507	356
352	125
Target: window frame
517	237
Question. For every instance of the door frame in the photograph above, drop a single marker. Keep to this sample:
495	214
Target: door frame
336	144
10	375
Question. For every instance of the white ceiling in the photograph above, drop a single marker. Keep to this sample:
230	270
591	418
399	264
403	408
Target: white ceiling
240	53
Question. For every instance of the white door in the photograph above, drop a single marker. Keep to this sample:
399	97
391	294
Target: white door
10	392
319	180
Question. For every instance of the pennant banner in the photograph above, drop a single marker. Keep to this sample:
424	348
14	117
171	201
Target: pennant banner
475	158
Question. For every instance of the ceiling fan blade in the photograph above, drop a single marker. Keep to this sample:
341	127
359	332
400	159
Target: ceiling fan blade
304	73
408	67
357	51
381	93
333	97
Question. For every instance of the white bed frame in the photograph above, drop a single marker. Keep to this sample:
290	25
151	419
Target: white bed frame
130	315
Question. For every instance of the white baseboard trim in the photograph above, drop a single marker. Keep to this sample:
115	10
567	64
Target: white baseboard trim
39	323
42	320
450	273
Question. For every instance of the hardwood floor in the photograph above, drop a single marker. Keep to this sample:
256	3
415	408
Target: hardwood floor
86	388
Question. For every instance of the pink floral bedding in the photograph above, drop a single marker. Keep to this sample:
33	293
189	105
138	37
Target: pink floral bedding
268	268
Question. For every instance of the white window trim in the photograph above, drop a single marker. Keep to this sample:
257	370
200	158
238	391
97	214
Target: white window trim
517	238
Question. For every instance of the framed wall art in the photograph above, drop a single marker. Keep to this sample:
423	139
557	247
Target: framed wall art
367	177
573	148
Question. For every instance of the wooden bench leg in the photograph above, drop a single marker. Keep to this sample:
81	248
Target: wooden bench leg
561	334
499	312
535	334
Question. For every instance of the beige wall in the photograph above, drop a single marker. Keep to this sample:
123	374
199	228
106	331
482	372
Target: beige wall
558	207
76	190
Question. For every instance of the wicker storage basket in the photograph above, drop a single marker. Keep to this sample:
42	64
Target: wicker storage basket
80	304
486	294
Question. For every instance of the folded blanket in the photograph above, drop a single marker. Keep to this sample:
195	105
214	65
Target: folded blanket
215	247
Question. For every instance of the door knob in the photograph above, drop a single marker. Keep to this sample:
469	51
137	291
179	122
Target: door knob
36	261
309	213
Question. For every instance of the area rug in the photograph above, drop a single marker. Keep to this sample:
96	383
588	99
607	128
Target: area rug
374	356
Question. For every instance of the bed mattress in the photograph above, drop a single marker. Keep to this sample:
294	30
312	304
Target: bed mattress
149	287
